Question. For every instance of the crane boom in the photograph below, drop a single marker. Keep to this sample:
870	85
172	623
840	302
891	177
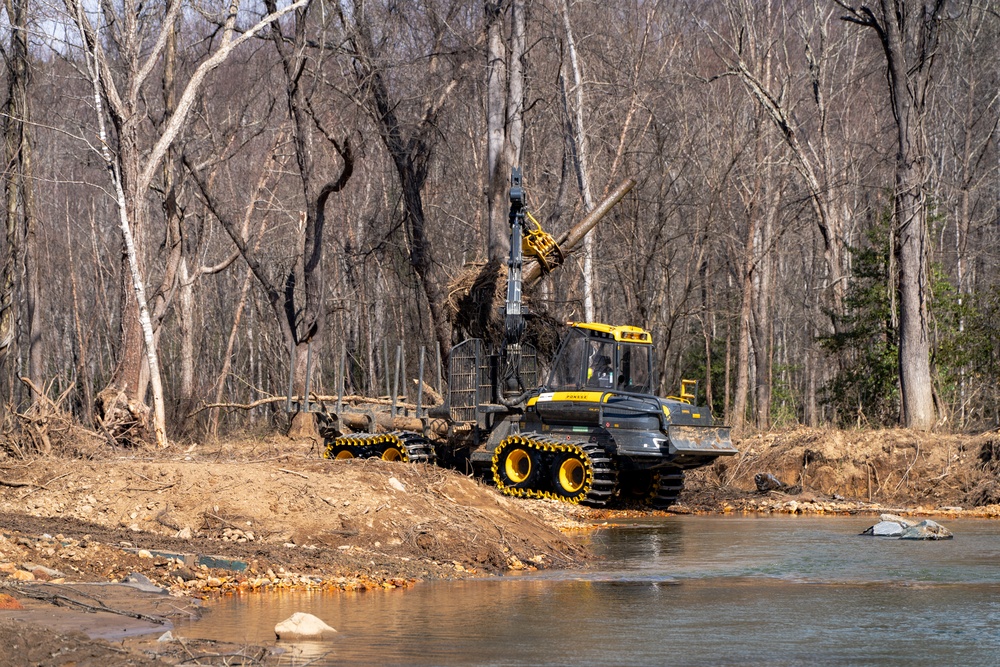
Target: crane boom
514	315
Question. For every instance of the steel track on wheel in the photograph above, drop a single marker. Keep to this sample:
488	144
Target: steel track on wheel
412	447
668	485
599	475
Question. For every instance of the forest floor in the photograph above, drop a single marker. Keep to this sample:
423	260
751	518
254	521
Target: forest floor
201	521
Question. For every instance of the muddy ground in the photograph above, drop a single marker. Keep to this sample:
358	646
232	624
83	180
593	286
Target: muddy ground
205	520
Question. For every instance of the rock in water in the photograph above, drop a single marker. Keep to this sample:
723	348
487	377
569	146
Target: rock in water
303	626
895	526
926	530
890	525
885	529
895	518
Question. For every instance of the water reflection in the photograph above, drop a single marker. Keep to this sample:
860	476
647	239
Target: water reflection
685	591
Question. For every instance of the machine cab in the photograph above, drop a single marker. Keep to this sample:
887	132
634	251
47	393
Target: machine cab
600	357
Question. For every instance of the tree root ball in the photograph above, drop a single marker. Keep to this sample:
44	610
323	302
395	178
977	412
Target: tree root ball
123	419
476	301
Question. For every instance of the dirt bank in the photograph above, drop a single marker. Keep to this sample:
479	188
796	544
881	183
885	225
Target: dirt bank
201	521
341	523
840	470
275	514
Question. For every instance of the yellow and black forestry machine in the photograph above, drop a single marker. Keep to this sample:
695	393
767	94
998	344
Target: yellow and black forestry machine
592	432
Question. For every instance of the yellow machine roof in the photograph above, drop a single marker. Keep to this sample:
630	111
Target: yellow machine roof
624	333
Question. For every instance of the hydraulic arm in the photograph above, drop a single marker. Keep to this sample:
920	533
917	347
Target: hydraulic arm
512	387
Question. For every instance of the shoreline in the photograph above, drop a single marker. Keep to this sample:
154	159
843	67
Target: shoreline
125	635
245	518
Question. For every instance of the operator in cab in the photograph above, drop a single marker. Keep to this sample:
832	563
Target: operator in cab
600	373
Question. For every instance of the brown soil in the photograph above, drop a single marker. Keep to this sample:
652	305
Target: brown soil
278	508
25	645
295	520
841	470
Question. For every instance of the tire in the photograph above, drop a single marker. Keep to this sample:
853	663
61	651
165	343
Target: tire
570	475
340	452
519	468
637	485
392	453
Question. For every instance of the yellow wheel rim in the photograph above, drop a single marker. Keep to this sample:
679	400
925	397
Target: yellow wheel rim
572	475
345	454
518	466
392	454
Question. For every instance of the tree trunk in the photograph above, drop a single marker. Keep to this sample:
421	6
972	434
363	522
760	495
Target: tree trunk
914	341
911	245
763	302
504	119
21	247
908	31
738	419
497	238
581	159
185	326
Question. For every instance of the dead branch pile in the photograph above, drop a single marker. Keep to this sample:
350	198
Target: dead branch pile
45	427
887	466
476	299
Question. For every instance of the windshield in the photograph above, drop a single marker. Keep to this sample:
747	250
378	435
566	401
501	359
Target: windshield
590	363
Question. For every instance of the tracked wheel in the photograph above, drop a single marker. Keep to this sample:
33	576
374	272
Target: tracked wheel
519	467
669	484
395	446
529	465
569	475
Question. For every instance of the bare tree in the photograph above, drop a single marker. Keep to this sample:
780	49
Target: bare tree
21	246
581	154
299	83
504	116
410	145
908	31
133	169
813	163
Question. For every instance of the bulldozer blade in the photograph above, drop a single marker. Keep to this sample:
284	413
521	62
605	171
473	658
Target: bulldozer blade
713	440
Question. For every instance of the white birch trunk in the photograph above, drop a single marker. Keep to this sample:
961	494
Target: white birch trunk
581	159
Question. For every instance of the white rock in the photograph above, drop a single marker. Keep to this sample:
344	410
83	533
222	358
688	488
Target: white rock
184	533
303	626
886	529
396	484
895	518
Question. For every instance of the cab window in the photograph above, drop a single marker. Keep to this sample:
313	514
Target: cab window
570	366
634	369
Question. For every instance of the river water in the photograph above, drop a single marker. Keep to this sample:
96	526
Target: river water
683	590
